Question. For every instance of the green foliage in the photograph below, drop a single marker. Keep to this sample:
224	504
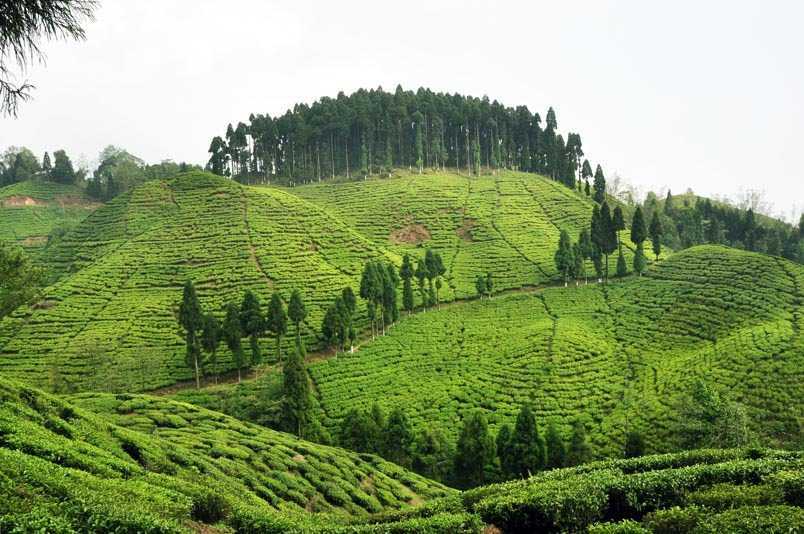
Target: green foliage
526	447
578	451
556	449
474	453
19	280
296	395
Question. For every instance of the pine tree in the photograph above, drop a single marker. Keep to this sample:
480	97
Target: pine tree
587	189
622	267
277	322
232	334
600	186
527	447
640	262
480	285
634	445
252	323
398	438
556	450
618	221
669	208
46	166
406	273
421	276
210	340
563	256
432	454
358	432
586	174
656	234
579	266
504	450
296	398
578	451
390	284
191	320
297	311
62	171
435	269
371	290
474	455
638	231
587	248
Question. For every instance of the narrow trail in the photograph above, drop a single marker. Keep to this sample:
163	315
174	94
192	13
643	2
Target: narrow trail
252	249
554	319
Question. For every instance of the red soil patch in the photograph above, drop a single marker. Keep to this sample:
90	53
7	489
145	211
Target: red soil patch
21	202
465	231
412	234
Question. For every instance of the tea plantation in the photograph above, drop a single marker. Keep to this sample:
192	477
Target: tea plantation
623	355
30	211
109	322
149	465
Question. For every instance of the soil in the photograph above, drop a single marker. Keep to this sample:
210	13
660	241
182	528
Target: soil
412	234
21	202
465	231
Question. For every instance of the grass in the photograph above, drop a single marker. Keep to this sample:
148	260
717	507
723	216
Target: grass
30	211
109	322
101	462
619	356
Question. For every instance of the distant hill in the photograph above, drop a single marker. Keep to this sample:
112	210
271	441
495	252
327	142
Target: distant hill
127	463
110	320
622	356
30	211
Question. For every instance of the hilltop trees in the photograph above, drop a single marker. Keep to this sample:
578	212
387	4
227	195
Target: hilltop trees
599	186
62	172
374	130
191	320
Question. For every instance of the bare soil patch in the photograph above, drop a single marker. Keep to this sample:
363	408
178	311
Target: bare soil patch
412	234
465	230
34	241
76	201
21	202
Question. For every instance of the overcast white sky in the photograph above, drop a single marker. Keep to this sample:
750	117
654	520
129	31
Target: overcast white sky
681	94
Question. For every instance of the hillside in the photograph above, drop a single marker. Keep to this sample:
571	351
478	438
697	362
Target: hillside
623	355
31	210
110	320
150	465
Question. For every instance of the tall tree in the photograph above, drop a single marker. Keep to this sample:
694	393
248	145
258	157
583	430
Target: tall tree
474	455
618	221
432	453
297	312
350	307
252	324
191	320
634	445
564	260
503	445
232	334
25	24
406	273
46	166
277	322
599	186
638	231
640	262
656	232
489	284
62	171
398	438
579	263
556	450
297	404
480	285
527	447
579	451
622	267
421	276
210	340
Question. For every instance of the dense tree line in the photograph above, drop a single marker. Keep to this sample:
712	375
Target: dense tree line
373	131
19	164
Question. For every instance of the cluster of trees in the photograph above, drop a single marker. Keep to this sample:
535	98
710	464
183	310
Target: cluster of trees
20	280
484	284
120	171
373	131
19	164
690	221
203	331
477	457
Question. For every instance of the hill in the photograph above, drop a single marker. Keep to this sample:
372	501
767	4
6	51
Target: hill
110	320
621	356
136	463
31	210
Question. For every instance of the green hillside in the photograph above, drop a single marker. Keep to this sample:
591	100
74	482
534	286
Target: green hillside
31	210
110	319
149	465
621	355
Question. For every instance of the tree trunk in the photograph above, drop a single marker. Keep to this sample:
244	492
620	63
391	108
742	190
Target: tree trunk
197	377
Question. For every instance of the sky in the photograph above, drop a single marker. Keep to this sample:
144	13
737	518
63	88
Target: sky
686	94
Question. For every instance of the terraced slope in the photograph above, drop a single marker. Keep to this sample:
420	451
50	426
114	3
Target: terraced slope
109	322
626	354
507	224
150	465
700	492
31	210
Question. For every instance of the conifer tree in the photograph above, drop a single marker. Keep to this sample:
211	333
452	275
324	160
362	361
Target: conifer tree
600	186
586	174
579	266
371	290
192	321
622	267
634	445
579	451
232	334
46	166
432	454
277	322
406	273
587	189
480	285
556	450
586	247
618	221
597	261
435	269
563	256
640	262
474	455
503	445
389	303
398	438
638	231
297	311
656	234
296	397
527	447
357	432
421	276
669	208
210	340
252	324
